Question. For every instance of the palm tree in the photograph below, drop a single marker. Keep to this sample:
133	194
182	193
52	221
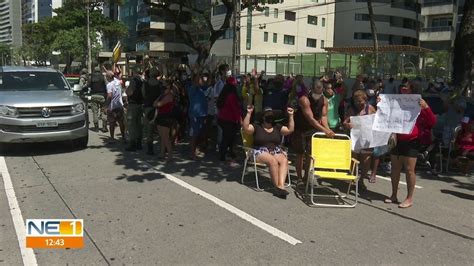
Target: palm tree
373	29
463	60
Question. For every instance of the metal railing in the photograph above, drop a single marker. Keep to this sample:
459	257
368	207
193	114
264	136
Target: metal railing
429	3
438	29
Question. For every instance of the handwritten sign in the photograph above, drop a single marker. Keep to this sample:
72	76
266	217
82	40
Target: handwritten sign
397	113
363	136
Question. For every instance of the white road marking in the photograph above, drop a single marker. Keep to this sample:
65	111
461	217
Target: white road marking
27	254
401	182
245	216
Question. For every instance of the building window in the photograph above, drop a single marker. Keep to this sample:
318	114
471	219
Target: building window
265	36
322	44
289	39
275	13
228	34
362	36
313	20
361	17
323	22
290	15
267	11
441	22
311	43
219	10
275	38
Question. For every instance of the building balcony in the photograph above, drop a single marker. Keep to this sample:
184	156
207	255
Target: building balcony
438	7
437	34
162	47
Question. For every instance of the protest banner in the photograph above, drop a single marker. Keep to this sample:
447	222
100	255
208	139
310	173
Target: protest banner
397	113
363	136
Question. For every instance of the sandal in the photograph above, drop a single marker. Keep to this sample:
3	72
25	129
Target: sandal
391	200
372	179
405	205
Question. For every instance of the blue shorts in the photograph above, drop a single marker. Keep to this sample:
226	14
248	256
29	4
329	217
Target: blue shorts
196	125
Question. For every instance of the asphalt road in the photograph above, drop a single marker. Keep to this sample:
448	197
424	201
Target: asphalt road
137	210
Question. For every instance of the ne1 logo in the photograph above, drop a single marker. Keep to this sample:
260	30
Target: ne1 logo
54	233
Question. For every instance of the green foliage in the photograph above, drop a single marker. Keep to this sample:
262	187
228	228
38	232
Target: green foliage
67	32
201	24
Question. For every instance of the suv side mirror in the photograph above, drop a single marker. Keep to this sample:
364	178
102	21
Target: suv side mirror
76	88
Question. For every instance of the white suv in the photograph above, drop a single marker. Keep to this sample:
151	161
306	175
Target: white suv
38	105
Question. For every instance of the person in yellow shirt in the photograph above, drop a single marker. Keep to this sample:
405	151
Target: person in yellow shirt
252	94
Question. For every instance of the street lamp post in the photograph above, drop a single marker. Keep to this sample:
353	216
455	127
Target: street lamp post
89	51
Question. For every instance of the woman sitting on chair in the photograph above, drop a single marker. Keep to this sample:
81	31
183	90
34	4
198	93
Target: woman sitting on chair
267	138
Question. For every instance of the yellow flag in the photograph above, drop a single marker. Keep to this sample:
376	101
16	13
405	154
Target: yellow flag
117	52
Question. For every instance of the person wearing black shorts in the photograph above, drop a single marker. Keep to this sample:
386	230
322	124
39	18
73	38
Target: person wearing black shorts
405	153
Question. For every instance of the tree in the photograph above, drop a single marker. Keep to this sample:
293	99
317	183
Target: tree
201	20
5	54
373	29
66	32
464	48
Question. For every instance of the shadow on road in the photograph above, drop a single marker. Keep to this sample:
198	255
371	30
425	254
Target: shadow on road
39	149
458	194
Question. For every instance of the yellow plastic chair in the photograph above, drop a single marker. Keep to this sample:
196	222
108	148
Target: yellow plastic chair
247	141
331	159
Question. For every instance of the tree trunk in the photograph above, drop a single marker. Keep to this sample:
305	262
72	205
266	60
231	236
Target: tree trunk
373	29
464	48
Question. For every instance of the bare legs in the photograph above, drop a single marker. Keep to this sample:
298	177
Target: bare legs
397	164
165	142
278	167
375	166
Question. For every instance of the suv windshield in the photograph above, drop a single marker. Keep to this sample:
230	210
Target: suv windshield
32	81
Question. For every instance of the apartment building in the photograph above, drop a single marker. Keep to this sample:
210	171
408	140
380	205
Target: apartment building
10	22
35	10
396	22
441	20
152	30
291	26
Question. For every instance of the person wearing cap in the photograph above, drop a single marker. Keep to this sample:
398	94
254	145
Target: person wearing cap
98	93
311	117
135	110
114	102
267	139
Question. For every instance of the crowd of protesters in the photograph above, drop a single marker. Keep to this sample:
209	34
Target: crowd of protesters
212	107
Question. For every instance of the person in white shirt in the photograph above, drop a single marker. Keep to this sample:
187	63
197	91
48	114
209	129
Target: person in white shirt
114	101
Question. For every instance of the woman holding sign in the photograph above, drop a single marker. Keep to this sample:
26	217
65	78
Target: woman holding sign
406	151
360	106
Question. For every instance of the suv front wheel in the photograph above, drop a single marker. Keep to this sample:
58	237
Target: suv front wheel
81	143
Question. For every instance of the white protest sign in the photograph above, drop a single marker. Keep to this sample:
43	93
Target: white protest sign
363	136
397	113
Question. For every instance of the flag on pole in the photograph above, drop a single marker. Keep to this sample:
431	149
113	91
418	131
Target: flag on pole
117	52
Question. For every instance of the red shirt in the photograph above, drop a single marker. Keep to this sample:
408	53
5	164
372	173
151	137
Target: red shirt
231	110
422	129
465	138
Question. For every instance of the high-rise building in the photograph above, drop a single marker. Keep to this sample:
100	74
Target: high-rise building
10	22
35	10
397	22
152	30
291	26
441	20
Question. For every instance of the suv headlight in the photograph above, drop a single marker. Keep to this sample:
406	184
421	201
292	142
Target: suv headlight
78	108
8	111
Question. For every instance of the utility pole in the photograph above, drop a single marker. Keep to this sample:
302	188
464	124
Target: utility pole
236	37
89	51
